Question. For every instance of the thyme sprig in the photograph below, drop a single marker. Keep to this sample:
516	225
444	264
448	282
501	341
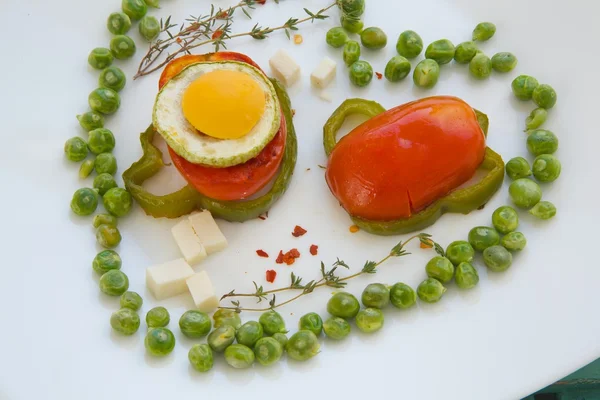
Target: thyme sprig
215	29
328	278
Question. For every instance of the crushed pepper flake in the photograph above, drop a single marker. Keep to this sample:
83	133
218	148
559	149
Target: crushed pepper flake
314	249
271	275
279	259
298	231
262	253
379	75
354	229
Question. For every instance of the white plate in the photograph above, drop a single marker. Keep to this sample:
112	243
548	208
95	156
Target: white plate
513	334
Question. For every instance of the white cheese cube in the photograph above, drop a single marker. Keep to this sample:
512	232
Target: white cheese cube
284	68
168	279
188	242
208	231
202	292
323	74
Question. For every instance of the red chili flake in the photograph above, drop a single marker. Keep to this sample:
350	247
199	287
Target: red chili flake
279	259
294	253
271	274
261	1
314	249
379	75
290	257
217	34
262	253
298	231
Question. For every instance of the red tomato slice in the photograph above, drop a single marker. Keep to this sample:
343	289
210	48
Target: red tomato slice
240	181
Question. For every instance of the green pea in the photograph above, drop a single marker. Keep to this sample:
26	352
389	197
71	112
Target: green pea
108	236
466	276
149	28
514	241
442	51
104	182
159	341
426	73
114	282
84	201
517	168
497	258
430	290
302	345
152	3
484	31
105	261
343	305
369	320
397	69
546	168
104	100
544	96
402	296
465	52
460	251
101	140
100	58
75	149
112	78
525	193
91	120
118	23
272	322
361	73
122	47
440	268
543	210
352	25
224	317
354	8
249	333
158	317
195	324
268	350
201	357
336	37
101	219
504	62
480	66
239	356
376	295
373	38
135	9
131	300
336	328
536	119
281	338
125	321
505	219
482	237
351	52
117	201
86	168
311	322
106	163
541	141
523	87
221	338
409	44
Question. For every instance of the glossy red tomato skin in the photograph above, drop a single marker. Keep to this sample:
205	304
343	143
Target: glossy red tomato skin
401	161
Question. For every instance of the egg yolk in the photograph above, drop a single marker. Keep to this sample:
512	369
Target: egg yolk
224	104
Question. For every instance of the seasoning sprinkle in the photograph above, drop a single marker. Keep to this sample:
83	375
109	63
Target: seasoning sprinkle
298	231
314	249
262	253
271	275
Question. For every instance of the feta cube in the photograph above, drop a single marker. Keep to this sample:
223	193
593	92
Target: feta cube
168	279
284	68
202	292
208	232
324	73
189	243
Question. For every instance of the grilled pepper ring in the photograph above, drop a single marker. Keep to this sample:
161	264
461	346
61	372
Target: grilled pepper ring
187	199
462	200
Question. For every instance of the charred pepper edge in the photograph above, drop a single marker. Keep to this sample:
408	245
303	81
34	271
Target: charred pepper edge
187	199
461	201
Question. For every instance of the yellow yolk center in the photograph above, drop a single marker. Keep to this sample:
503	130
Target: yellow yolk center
224	104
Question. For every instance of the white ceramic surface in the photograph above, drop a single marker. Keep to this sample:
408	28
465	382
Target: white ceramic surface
515	333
